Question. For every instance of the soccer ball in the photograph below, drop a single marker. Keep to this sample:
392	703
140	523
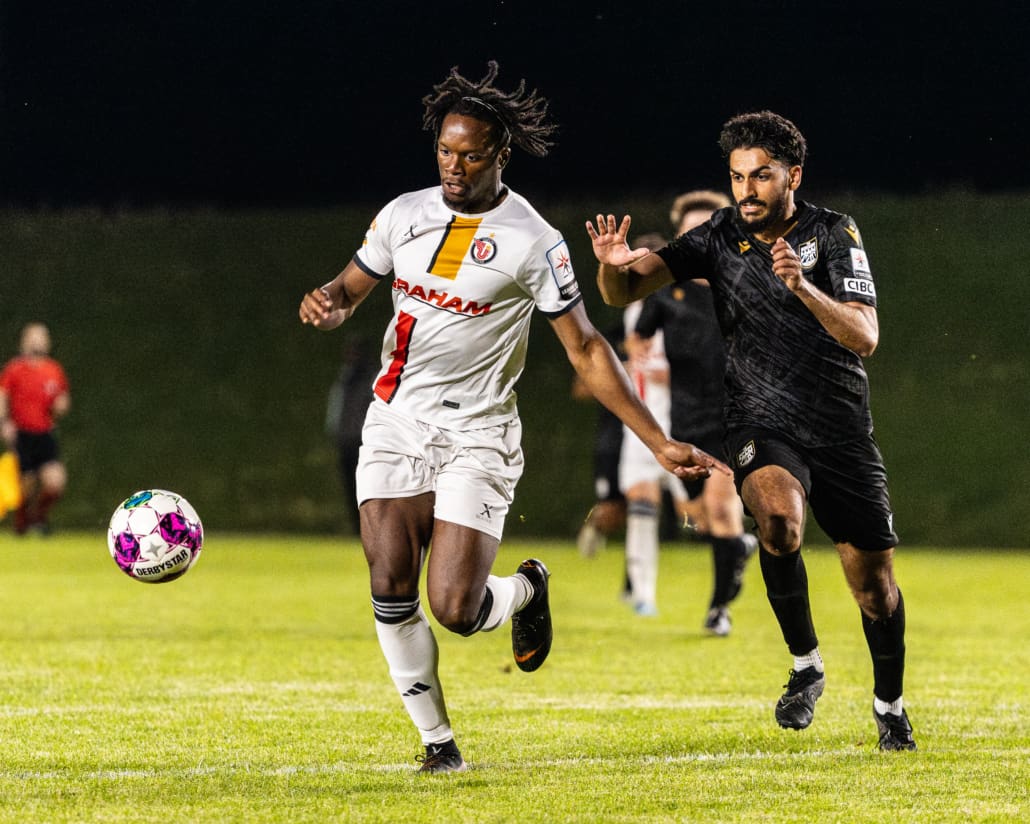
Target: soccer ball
155	536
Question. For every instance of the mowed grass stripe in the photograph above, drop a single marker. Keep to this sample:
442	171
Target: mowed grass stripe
253	690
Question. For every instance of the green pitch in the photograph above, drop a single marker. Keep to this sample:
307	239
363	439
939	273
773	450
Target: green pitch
253	690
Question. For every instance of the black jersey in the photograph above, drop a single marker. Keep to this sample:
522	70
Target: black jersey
697	359
784	371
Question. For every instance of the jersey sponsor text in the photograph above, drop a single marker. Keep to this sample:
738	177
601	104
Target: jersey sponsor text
441	300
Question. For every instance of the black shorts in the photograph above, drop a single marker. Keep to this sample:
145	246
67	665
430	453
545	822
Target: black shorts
712	443
36	449
846	484
607	449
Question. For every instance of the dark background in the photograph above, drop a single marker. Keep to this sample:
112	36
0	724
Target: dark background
224	102
177	175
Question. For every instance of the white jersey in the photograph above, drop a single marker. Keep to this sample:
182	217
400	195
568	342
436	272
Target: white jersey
653	391
464	289
637	463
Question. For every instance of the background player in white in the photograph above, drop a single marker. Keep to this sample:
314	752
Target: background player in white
696	358
641	477
441	452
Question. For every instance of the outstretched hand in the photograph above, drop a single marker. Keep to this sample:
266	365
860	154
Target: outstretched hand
684	460
610	245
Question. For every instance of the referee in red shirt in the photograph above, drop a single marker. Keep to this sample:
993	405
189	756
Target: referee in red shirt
33	395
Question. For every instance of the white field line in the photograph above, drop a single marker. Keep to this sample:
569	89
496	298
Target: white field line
779	758
272	704
298	703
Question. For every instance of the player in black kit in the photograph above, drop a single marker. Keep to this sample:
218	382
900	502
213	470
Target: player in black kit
796	302
693	347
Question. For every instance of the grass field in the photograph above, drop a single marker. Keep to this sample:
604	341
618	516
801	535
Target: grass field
253	690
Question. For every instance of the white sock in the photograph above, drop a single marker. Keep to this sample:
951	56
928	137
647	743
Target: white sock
893	707
510	595
642	554
412	655
811	659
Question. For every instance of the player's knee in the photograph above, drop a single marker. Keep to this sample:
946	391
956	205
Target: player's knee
781	535
723	516
390	582
455	612
876	597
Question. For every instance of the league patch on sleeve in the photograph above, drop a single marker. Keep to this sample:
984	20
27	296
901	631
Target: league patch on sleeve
860	263
561	270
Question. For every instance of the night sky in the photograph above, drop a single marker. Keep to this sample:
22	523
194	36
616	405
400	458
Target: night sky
318	101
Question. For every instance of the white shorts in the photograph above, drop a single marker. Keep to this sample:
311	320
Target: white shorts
473	473
637	463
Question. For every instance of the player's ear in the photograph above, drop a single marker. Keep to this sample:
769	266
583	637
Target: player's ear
794	177
503	157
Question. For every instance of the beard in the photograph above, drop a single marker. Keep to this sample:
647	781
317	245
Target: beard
777	210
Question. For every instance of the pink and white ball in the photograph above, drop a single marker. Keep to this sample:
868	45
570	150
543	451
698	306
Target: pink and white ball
155	536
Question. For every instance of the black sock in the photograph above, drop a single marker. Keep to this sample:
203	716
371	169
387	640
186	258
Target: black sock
484	613
725	553
786	584
886	640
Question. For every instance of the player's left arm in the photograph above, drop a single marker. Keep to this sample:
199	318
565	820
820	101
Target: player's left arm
61	405
597	364
850	323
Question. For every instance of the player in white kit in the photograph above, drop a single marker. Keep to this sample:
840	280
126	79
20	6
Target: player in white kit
441	454
642	478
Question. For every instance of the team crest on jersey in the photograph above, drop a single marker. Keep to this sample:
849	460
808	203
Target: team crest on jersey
744	246
561	270
746	455
483	249
809	253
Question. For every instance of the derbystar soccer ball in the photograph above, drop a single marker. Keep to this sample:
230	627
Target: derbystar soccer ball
155	536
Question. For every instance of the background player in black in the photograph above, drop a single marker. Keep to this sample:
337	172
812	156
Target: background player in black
349	399
797	305
608	514
697	363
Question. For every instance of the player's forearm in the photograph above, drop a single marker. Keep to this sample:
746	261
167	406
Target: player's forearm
613	283
62	404
606	379
621	285
851	324
343	304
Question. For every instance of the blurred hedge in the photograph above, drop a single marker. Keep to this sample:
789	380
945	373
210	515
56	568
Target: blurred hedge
190	370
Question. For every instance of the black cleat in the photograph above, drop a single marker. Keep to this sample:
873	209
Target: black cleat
796	706
531	632
442	758
895	731
717	622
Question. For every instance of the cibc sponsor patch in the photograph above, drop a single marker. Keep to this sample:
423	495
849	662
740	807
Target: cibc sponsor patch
860	286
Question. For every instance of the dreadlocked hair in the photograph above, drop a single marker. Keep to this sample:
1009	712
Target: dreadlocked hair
521	116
